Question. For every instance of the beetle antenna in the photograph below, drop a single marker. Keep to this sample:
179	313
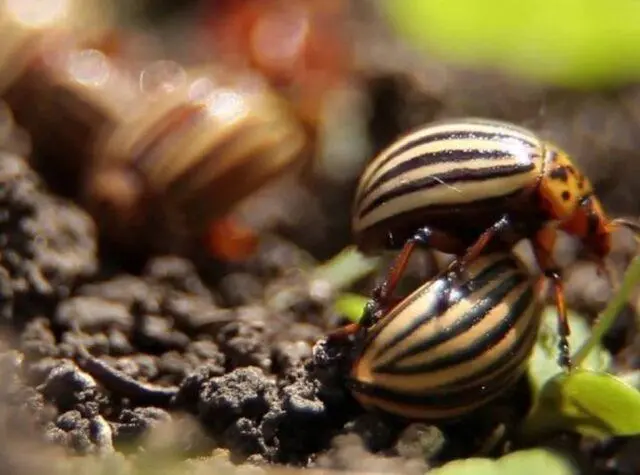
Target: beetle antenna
631	224
612	274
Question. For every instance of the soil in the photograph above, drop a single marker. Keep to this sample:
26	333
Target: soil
194	365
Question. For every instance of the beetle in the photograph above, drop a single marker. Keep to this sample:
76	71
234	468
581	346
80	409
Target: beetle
428	361
161	154
472	185
192	153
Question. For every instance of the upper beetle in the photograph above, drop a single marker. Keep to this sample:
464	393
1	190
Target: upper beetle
470	185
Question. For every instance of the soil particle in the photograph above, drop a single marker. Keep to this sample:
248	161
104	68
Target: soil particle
48	244
244	339
133	423
93	314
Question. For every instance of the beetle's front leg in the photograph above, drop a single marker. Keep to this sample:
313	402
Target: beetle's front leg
500	227
544	245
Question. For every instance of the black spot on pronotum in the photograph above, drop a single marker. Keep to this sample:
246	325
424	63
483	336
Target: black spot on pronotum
566	196
559	174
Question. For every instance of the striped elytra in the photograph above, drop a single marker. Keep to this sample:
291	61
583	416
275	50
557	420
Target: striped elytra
425	360
458	175
192	153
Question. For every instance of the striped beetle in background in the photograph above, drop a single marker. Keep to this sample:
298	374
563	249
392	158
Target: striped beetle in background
474	185
432	361
162	153
189	155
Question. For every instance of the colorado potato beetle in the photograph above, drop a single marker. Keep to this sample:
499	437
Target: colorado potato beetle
423	360
160	153
190	153
472	185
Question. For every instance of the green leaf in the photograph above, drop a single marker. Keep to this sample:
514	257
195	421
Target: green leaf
543	364
568	42
524	462
351	306
345	268
587	402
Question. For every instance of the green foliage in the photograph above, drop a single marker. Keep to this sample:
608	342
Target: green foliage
350	306
632	378
525	462
567	42
588	401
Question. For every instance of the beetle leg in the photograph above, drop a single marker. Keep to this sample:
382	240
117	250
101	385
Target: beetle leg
381	294
564	359
501	226
544	243
344	332
383	291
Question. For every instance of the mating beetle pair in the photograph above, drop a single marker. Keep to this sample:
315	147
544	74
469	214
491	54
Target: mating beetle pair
473	188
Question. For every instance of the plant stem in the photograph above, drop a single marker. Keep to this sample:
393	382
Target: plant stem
345	268
608	316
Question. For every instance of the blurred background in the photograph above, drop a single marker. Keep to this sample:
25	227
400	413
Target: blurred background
303	94
360	73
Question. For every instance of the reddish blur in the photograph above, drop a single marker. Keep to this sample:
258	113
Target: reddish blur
300	46
228	240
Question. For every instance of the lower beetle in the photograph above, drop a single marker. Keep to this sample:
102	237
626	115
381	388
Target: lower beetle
427	361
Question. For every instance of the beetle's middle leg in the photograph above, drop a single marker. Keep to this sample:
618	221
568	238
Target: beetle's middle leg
382	296
458	266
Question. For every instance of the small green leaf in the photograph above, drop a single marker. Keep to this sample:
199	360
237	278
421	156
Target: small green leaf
587	402
524	462
351	306
543	364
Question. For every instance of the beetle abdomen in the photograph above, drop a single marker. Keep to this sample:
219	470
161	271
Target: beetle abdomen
423	362
455	167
